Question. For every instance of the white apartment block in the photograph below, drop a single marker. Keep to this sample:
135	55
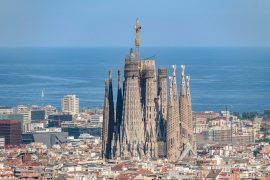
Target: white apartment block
70	104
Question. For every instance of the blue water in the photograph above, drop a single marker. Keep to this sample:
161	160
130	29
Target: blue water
238	78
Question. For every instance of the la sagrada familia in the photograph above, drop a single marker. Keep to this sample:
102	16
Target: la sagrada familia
150	121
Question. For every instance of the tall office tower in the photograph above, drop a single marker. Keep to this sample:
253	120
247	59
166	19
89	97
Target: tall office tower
111	125
183	110
133	125
161	109
105	122
11	130
191	138
148	91
173	129
70	104
25	111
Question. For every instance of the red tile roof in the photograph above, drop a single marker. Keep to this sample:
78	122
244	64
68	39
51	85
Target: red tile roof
9	121
30	175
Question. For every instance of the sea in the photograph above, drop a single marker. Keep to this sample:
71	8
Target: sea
236	79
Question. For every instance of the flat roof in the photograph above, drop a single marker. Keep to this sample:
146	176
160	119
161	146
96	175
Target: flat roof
5	107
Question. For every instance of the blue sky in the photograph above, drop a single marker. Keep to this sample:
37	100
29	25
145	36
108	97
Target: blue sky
111	23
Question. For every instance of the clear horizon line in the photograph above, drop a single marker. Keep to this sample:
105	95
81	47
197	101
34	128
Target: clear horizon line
233	46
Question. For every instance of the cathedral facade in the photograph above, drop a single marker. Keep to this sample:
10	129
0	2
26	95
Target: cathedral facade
150	120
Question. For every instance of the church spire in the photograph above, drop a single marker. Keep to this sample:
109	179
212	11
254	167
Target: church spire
111	115
173	134
189	109
105	122
119	105
183	106
191	137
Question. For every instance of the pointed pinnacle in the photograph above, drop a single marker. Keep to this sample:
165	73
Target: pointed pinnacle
183	73
119	78
110	75
106	85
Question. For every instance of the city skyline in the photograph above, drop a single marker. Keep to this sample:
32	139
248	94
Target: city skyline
158	121
178	23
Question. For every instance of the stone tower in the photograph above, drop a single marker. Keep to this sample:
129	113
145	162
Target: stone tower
183	110
173	129
148	124
162	90
161	108
149	90
191	138
111	127
133	125
119	110
105	122
119	104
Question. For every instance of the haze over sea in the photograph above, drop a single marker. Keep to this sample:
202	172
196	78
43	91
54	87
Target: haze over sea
238	78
